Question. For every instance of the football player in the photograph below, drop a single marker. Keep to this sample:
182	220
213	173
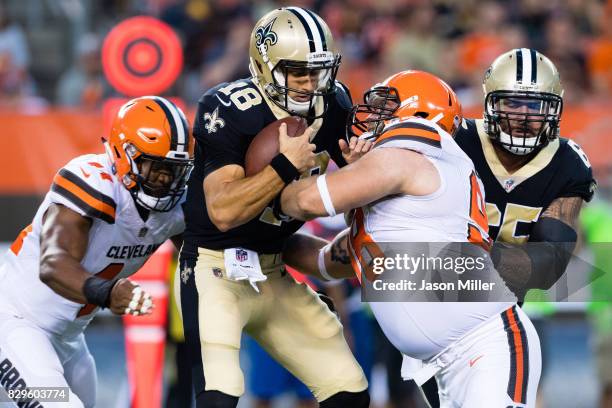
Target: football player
417	185
232	274
104	215
535	181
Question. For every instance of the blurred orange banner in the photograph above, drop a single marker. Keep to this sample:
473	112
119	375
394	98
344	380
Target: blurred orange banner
36	146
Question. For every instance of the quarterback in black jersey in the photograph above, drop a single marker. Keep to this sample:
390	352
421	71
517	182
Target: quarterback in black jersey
232	274
535	181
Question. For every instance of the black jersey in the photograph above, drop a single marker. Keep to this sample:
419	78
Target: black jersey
229	116
516	201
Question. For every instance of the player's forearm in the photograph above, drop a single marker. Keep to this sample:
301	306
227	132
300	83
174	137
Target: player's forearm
350	187
302	253
301	200
513	265
337	257
241	200
63	243
64	275
541	262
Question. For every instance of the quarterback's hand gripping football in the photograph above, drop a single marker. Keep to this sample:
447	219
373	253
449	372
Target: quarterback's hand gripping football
129	298
298	150
354	149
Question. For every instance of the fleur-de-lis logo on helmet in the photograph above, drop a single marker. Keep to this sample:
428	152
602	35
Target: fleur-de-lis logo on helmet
264	36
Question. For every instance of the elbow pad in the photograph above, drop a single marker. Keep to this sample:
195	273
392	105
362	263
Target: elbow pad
554	244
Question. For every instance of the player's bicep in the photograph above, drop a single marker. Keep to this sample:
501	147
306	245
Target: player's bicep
564	209
64	233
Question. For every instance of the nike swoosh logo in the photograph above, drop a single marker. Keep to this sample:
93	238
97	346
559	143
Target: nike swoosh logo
84	173
472	362
222	101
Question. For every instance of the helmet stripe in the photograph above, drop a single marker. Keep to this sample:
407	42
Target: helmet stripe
519	65
178	125
319	28
534	66
314	38
527	65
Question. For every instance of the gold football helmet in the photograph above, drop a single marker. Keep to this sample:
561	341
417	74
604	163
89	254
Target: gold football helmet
293	40
523	101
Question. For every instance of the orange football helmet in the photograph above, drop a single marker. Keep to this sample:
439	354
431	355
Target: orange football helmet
151	148
405	94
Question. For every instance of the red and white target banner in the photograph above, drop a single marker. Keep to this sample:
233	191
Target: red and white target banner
142	56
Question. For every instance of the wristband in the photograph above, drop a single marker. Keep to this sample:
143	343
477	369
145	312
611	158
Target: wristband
97	291
325	197
284	168
321	263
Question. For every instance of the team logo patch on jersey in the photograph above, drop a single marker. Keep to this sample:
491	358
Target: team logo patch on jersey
264	36
241	255
186	273
212	121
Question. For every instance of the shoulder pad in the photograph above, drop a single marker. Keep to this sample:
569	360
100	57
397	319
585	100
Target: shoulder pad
237	104
577	169
343	95
86	186
415	134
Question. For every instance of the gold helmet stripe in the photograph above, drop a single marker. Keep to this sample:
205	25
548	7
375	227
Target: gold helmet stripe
310	26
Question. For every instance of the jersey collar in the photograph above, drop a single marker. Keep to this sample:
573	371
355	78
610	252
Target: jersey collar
507	180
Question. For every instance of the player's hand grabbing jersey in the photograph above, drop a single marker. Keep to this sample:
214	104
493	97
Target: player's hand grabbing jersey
229	117
119	242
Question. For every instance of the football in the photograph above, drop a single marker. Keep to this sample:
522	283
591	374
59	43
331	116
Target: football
264	146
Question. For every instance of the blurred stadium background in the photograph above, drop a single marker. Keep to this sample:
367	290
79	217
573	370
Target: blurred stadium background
53	89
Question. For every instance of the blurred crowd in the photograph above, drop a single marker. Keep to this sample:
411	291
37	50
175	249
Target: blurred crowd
50	50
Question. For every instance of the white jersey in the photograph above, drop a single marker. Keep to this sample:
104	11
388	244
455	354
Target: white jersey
453	213
119	243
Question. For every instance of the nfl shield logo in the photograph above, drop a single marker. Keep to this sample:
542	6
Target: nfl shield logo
508	184
241	255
